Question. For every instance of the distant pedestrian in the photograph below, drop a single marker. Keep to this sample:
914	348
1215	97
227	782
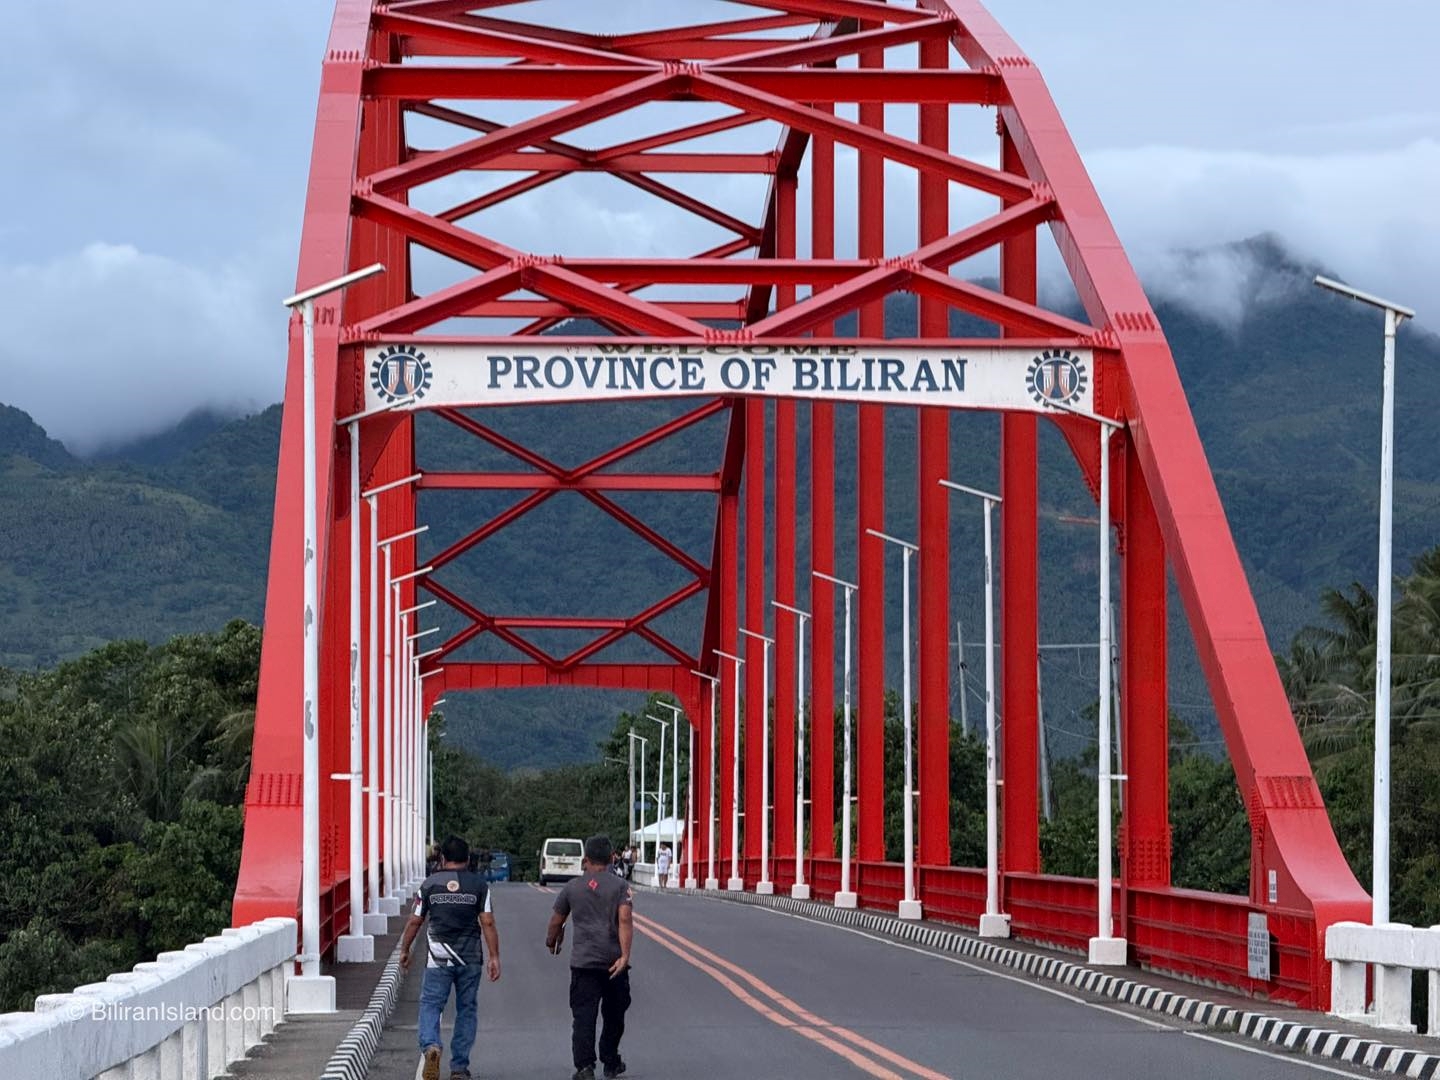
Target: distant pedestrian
602	907
456	900
629	860
662	865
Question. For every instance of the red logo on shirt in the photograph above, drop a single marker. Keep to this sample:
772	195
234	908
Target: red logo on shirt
592	884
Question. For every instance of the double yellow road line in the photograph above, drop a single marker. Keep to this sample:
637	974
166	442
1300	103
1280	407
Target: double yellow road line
868	1056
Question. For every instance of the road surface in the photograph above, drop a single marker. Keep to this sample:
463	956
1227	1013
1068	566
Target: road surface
733	992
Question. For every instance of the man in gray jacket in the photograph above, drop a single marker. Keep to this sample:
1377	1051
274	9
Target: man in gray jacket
600	906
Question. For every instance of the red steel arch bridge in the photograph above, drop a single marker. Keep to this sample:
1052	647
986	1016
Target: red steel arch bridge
439	121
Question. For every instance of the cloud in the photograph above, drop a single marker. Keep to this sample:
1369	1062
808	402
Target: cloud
1169	202
190	163
110	342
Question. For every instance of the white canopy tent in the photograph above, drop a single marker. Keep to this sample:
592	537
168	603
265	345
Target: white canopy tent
660	832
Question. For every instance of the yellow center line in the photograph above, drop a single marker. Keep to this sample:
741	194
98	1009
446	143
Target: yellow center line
655	930
855	1058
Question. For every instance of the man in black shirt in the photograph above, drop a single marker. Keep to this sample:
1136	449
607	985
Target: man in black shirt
457	902
601	906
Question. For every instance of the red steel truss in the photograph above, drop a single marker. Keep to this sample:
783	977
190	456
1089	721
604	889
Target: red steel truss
817	73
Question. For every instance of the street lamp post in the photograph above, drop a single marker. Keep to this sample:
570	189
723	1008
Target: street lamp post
415	753
910	905
630	815
800	890
377	920
1380	833
358	946
846	897
660	797
735	883
394	873
642	741
711	881
400	794
420	766
673	881
992	923
1105	948
317	992
764	887
430	786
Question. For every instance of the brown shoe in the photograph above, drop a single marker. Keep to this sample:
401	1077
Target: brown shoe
432	1064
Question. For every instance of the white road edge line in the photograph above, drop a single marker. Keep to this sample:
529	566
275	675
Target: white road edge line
1297	1058
1142	1020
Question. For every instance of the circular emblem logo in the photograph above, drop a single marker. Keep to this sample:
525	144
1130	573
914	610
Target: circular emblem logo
400	371
1055	375
453	885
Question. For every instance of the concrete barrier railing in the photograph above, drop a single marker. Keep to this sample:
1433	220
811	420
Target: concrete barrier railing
185	1016
1394	950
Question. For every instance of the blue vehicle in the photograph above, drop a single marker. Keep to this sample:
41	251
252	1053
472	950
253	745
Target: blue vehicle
499	868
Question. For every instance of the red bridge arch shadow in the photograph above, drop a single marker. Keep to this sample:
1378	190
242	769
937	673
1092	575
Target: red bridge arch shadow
409	159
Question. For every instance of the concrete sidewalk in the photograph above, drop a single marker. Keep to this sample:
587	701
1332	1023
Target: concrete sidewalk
300	1048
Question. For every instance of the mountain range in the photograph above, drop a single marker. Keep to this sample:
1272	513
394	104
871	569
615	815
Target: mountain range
170	532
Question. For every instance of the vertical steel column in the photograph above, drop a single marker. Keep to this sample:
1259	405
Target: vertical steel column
934	768
870	739
822	531
783	758
1019	587
1145	829
729	631
755	703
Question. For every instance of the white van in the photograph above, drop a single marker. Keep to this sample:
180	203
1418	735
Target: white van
560	860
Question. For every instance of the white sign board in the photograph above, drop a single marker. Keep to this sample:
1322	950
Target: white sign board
1258	947
993	377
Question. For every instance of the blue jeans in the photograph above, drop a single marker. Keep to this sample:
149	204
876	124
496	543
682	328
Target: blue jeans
434	992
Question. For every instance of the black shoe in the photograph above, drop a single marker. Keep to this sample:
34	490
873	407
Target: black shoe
617	1069
587	1073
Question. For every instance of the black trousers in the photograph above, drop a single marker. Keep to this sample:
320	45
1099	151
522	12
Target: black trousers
592	990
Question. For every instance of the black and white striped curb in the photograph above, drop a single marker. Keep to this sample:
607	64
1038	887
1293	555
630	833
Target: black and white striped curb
352	1057
1286	1034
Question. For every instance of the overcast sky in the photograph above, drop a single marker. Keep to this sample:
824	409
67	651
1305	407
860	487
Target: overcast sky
160	151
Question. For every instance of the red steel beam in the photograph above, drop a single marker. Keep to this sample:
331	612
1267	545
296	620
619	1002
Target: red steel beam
942	252
670	138
539	160
684	35
537	482
755	620
553	310
860	136
870	729
834	46
786	518
822	535
1023	318
588	110
1019	588
615	676
413	82
650	438
465	40
635	622
876	11
933	772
